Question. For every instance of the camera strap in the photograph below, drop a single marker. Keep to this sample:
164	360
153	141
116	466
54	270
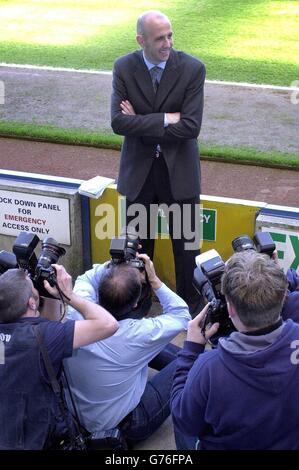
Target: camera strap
56	387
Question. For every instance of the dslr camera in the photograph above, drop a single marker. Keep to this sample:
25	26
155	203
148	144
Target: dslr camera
208	273
262	243
123	249
207	281
24	257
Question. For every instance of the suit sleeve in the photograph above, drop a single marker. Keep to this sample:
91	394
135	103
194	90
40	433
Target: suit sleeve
148	125
152	125
192	108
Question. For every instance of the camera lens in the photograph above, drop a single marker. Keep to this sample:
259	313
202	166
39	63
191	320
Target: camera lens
242	243
49	255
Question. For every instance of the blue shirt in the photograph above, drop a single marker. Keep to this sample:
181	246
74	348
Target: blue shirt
108	377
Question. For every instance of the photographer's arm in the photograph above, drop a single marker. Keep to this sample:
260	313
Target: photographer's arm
150	271
98	324
196	333
188	400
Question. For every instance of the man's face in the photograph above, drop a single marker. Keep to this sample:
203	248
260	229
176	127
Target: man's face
156	41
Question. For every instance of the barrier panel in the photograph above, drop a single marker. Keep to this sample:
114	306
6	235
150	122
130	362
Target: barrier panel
222	220
52	206
47	206
283	224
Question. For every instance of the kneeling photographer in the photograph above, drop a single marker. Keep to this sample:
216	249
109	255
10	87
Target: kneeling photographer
109	380
31	413
244	393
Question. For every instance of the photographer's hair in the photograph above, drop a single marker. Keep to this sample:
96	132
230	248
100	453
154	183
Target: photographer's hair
120	289
15	291
256	286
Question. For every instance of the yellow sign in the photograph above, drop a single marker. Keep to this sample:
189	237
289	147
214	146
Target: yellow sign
227	219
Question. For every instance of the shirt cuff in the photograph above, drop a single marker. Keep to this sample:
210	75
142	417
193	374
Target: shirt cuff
166	123
195	348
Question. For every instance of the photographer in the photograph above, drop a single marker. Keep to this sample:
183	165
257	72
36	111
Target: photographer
291	304
109	379
243	394
30	414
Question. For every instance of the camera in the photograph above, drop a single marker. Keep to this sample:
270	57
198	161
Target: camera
24	257
123	249
208	273
262	243
7	261
207	282
110	439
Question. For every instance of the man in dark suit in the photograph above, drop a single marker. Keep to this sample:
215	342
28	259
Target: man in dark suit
157	104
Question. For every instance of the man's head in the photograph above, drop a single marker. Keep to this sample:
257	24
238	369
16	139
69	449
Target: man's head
255	287
120	289
18	297
154	35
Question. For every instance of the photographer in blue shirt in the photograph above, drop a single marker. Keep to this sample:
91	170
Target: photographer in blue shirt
109	379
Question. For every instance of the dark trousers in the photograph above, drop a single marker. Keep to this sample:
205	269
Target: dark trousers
154	405
157	190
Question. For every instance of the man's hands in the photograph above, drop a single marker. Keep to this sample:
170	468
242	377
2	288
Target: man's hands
150	270
64	281
127	108
195	332
173	118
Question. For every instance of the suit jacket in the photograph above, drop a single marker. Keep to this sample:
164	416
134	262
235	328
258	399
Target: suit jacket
180	89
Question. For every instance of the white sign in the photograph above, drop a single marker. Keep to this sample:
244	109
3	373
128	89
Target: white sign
287	245
45	216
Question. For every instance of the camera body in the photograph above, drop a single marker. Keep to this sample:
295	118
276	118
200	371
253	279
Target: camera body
262	243
123	249
110	439
207	282
24	257
208	273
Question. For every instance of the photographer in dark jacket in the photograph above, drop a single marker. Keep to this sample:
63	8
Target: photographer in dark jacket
29	410
291	305
244	394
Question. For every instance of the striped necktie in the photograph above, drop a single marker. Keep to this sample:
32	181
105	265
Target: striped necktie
156	73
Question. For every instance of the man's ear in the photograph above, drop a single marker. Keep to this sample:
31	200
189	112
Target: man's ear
231	309
140	40
31	304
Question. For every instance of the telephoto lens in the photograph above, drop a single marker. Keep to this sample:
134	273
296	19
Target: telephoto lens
51	251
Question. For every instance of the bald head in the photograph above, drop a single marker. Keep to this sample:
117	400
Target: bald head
154	35
145	20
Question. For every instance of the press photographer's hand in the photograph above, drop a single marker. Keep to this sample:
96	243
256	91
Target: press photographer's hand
150	270
196	332
64	281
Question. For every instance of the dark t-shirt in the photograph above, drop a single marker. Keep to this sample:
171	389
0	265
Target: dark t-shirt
58	338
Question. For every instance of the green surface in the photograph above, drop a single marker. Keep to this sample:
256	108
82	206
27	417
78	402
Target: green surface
80	137
250	40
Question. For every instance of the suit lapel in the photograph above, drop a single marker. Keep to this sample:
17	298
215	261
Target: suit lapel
169	78
143	79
